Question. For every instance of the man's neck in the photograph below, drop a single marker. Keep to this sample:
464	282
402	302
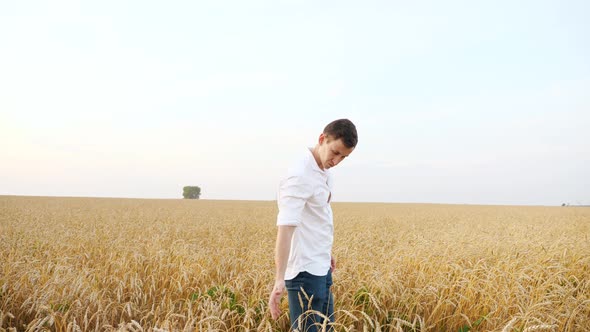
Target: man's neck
316	156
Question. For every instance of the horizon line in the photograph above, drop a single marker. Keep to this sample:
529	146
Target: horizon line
274	200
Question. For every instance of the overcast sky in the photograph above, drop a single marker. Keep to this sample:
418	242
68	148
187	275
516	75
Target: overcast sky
479	102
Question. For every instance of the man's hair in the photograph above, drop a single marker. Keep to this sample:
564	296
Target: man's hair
342	129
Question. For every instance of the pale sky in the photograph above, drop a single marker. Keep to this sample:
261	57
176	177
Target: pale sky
478	102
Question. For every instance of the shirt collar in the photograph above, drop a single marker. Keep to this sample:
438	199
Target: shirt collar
313	162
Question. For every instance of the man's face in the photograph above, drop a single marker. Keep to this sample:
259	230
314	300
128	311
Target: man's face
331	151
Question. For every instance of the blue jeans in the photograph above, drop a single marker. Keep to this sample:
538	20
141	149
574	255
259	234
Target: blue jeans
317	297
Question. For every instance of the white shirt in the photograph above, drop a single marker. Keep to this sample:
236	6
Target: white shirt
304	201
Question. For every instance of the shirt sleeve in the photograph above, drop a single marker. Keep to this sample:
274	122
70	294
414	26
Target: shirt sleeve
293	193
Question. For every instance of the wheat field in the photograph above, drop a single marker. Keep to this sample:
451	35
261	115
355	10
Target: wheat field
103	264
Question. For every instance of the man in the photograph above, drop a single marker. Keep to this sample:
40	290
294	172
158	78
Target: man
303	257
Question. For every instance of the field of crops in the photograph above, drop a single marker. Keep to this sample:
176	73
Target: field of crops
91	264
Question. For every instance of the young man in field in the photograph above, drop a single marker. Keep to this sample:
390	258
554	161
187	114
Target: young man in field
303	257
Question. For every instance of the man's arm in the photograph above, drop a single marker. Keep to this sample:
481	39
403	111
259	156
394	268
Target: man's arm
283	246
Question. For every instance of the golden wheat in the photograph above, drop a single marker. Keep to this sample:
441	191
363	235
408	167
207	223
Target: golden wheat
84	264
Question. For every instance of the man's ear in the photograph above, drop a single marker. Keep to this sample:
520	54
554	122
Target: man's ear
322	138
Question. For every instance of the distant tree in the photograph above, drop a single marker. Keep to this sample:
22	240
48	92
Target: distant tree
563	204
191	192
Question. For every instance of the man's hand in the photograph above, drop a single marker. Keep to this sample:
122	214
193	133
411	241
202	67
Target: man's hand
284	236
275	299
332	263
